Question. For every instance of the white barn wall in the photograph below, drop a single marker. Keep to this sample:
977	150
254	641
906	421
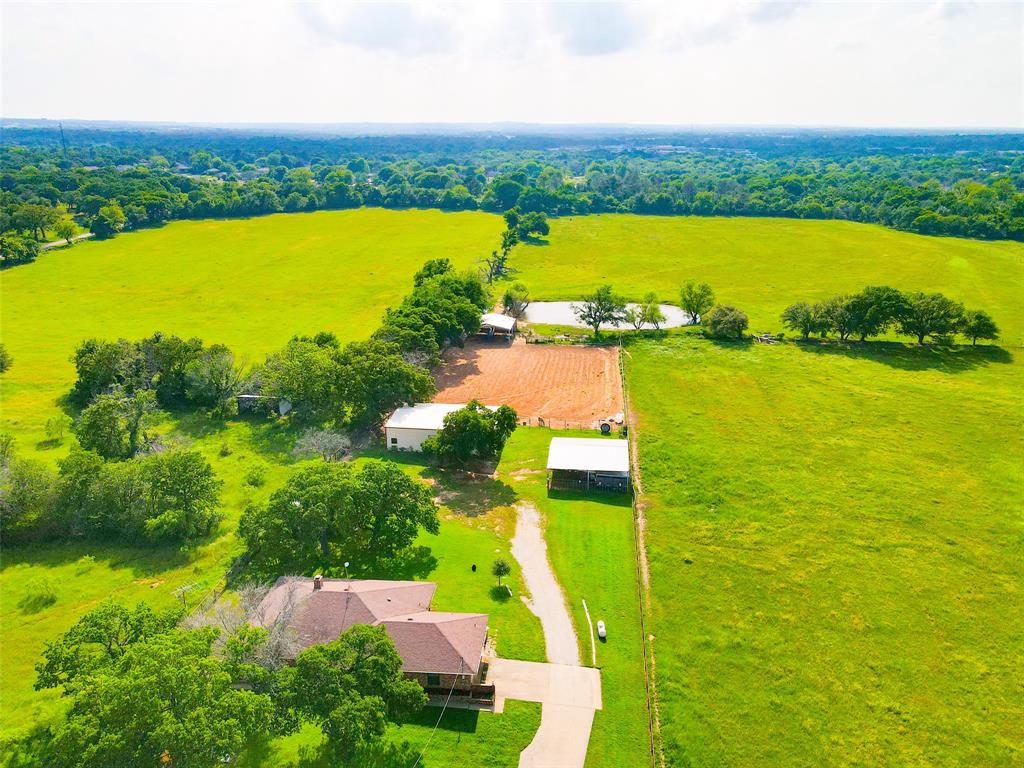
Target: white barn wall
408	439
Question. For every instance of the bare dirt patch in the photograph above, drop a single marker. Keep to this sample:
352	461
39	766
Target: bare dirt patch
557	383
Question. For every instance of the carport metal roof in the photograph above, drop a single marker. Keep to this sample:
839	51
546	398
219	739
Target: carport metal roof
588	454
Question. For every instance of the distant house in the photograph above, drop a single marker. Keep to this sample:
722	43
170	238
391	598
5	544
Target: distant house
493	324
408	427
584	463
442	651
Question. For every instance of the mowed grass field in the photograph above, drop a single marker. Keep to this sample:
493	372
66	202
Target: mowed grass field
251	284
836	544
764	265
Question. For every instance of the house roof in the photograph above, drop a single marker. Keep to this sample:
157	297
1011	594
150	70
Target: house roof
427	641
424	415
437	642
589	454
501	322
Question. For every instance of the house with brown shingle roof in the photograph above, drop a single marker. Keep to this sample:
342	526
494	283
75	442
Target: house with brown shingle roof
440	650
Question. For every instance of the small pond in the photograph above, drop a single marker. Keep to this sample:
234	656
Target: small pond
561	313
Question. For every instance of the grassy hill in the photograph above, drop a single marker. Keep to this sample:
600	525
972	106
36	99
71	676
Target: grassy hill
764	265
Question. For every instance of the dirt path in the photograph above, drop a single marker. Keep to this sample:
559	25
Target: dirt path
547	600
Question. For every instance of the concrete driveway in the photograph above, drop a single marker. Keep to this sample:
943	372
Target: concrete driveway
569	695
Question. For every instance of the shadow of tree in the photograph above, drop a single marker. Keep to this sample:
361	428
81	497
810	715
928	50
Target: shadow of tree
912	357
142	561
470	495
500	594
379	753
413	563
454	720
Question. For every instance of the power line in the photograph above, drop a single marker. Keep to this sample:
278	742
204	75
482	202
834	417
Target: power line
430	738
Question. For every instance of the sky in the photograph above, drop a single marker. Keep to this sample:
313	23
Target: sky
670	62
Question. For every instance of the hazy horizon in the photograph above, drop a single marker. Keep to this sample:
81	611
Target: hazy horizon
886	66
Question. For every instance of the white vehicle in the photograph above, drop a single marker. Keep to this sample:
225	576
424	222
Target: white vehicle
601	630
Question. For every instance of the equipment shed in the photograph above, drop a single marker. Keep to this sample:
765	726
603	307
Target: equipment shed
584	463
408	427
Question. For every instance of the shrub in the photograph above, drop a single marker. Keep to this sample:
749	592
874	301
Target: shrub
725	322
256	475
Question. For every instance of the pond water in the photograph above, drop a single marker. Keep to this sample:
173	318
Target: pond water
561	313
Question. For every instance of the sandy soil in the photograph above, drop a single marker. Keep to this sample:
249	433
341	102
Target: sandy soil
551	381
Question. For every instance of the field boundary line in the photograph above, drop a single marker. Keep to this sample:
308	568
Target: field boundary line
657	755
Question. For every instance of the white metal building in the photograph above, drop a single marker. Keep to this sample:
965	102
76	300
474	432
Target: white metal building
408	427
585	463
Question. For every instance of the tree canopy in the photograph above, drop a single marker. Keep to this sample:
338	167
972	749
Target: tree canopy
599	308
473	432
331	513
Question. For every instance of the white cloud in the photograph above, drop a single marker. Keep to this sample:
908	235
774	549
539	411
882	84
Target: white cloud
594	28
658	61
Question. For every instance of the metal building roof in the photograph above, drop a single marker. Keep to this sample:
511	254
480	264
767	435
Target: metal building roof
501	322
589	454
424	415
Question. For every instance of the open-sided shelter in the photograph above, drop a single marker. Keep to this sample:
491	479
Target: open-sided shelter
584	463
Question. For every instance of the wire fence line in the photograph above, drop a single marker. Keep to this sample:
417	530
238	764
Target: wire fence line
557	423
648	652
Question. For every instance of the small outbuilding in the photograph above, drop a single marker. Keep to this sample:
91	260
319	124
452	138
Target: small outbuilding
585	463
409	426
492	324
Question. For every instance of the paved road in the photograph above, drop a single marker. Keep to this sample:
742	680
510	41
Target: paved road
569	694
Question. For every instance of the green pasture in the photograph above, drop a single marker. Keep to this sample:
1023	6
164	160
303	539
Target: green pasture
248	283
834	532
835	538
764	265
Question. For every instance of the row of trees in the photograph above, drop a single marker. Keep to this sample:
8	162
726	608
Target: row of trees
877	310
605	307
974	192
359	383
144	689
169	497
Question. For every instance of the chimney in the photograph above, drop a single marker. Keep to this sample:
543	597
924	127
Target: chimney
318	581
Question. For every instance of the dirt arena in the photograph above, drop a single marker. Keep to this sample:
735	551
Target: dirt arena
550	381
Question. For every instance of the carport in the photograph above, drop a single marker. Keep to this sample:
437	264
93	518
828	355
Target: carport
584	464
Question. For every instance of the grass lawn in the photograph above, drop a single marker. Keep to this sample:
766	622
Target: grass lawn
851	520
764	265
590	543
835	542
462	738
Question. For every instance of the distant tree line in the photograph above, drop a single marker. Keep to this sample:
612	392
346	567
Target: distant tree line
972	191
